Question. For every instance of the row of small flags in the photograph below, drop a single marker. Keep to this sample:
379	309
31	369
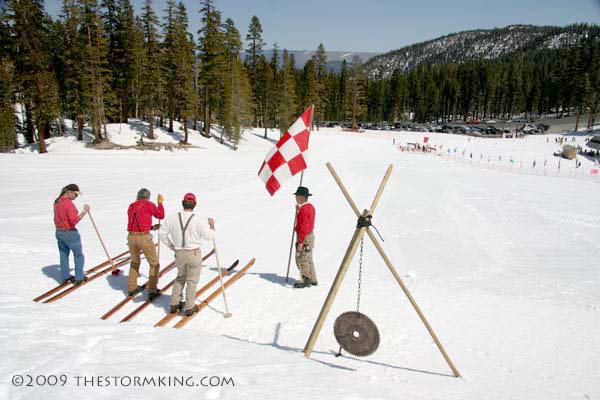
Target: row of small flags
593	171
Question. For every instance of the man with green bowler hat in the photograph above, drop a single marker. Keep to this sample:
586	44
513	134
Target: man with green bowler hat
305	238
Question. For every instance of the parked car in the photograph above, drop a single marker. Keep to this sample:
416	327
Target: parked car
474	121
490	121
492	130
543	127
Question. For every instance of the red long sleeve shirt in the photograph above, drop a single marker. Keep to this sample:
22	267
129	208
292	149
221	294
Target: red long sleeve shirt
65	214
140	213
305	221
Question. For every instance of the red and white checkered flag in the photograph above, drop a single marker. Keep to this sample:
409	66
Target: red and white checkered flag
286	159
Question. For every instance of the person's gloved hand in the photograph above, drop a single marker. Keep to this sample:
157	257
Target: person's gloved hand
159	199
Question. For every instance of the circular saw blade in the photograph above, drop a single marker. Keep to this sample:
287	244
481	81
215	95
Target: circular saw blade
356	333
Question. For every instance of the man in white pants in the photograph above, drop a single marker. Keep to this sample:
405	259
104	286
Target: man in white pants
182	233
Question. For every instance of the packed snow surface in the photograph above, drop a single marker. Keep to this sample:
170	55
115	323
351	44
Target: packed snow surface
505	266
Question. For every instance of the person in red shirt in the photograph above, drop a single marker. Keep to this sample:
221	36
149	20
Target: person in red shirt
139	239
305	238
66	217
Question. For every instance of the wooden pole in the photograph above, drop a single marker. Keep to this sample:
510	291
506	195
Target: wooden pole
227	313
352	247
337	282
101	241
412	301
287	274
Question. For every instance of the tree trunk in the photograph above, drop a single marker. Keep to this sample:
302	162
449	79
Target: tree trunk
185	131
29	128
206	114
80	128
151	127
171	116
42	130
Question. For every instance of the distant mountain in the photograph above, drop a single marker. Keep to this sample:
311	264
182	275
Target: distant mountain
476	44
334	58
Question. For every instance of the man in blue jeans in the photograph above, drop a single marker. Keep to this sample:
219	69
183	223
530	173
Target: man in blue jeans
65	219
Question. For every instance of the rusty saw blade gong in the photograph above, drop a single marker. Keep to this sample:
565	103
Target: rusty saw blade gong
356	333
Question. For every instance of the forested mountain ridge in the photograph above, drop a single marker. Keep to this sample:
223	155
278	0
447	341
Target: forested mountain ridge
476	44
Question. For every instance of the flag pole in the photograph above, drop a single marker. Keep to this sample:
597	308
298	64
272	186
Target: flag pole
287	274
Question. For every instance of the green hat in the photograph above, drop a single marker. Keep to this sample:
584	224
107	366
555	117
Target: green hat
302	191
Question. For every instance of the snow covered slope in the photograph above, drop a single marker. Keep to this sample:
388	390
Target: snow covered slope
504	266
476	44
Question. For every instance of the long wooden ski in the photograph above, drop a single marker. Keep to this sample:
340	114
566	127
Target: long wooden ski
89	279
169	317
128	298
146	303
97	274
184	320
89	271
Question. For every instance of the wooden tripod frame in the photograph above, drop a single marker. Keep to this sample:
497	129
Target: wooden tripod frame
352	247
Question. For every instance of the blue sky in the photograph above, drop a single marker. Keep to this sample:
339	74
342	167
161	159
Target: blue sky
380	25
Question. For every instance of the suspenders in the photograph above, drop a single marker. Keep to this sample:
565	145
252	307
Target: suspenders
184	228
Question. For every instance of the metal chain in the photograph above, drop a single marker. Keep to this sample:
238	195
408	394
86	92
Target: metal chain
360	263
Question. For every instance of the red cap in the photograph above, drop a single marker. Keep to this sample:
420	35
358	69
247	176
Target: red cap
189	197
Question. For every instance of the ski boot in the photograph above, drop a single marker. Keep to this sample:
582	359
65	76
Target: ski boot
84	280
190	311
136	291
155	294
173	309
302	284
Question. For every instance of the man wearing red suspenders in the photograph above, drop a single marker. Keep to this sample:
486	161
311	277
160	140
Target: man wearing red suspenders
139	239
183	232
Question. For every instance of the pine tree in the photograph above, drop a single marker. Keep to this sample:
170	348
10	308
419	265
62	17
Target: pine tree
34	75
310	84
8	134
8	138
287	93
74	80
236	112
265	92
96	72
354	96
8	120
151	81
122	56
170	47
138	67
253	54
320	60
210	44
274	99
184	60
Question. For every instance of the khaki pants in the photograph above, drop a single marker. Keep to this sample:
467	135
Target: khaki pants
304	259
142	244
189	264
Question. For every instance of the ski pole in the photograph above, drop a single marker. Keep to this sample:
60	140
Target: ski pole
101	241
227	313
